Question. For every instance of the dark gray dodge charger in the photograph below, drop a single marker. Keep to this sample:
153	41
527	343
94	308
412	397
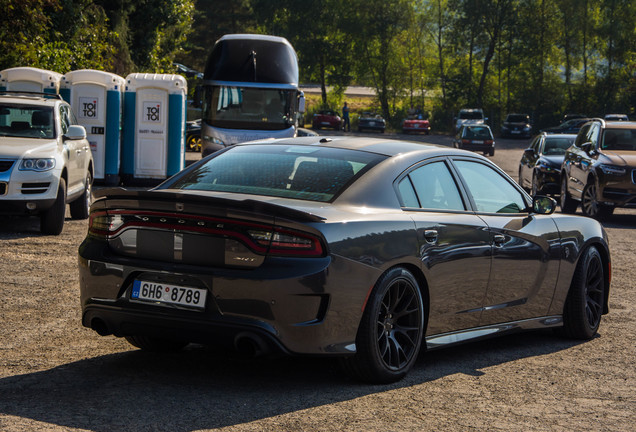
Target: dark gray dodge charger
371	250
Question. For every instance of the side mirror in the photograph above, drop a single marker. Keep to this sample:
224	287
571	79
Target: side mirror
301	102
543	204
529	152
588	148
75	132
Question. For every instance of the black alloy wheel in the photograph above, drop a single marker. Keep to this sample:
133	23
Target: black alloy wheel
590	205
391	331
568	204
584	304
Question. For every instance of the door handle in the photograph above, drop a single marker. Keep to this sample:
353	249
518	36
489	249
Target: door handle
430	236
499	239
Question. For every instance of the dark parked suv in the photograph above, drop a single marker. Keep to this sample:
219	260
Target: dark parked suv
599	169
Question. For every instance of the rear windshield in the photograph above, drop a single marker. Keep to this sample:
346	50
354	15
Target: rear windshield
517	118
289	171
26	121
619	139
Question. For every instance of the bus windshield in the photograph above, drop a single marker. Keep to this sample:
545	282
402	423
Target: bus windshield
249	107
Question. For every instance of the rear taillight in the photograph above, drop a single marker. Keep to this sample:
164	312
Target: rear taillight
488	142
262	239
465	141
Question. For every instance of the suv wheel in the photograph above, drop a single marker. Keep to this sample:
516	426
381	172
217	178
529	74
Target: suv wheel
52	220
568	204
590	205
80	207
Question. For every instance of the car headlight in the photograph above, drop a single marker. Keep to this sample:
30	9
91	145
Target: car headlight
526	128
612	169
41	164
213	140
547	166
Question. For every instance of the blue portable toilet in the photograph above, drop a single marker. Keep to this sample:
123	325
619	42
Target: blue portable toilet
96	99
29	79
154	127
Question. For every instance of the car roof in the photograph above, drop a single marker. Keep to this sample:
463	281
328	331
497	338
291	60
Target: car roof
620	125
30	99
386	147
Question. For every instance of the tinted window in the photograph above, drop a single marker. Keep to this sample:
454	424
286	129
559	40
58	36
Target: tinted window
517	118
436	188
409	199
303	172
491	192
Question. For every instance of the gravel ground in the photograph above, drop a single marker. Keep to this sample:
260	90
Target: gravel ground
56	375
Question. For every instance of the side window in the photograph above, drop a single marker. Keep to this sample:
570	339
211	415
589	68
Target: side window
407	193
535	144
491	192
582	136
593	134
64	119
436	188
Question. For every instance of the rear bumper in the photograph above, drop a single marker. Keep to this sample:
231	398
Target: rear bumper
296	307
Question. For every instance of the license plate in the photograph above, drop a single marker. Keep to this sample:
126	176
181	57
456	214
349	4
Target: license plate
167	294
477	142
326	123
371	123
515	132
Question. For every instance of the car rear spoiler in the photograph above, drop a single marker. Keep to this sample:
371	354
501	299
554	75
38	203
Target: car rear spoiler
107	194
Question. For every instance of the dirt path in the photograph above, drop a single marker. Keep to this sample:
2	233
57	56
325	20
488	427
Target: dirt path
58	376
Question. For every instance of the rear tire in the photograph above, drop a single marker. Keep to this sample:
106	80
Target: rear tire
52	220
80	208
153	344
492	152
391	331
586	298
568	204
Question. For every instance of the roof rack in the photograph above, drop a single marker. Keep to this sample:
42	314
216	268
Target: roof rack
30	93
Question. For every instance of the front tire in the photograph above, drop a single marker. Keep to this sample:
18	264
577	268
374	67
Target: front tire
584	304
590	205
153	344
391	331
52	220
535	185
80	208
568	204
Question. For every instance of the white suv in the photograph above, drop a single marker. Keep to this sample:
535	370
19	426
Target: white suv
466	116
45	160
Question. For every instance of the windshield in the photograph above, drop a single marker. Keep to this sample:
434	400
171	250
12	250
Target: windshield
26	121
289	171
557	146
249	107
518	118
619	139
471	115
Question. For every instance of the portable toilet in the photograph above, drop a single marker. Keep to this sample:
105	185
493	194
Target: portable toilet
154	127
28	79
96	100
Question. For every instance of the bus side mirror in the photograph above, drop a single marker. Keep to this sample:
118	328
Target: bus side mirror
301	102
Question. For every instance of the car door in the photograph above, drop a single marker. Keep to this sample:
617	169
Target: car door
526	246
578	162
454	246
528	161
73	150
